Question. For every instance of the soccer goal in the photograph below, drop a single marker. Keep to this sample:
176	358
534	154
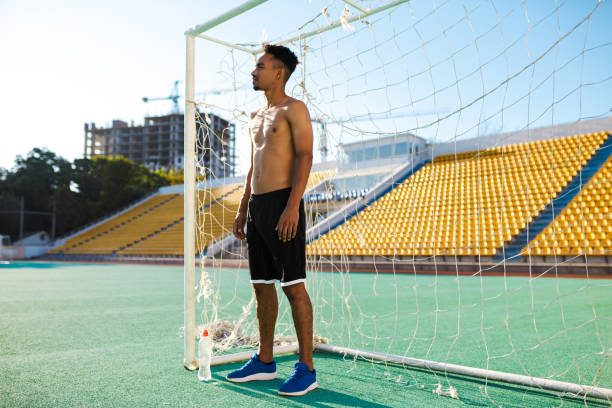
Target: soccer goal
458	209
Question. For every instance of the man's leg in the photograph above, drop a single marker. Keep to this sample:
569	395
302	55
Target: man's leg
267	310
301	309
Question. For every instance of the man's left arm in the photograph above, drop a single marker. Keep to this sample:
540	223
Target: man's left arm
301	135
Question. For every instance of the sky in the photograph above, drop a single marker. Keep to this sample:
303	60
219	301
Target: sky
65	63
482	66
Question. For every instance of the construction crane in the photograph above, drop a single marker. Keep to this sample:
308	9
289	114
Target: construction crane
363	118
174	96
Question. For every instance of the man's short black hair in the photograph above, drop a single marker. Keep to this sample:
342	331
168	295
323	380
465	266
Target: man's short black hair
283	54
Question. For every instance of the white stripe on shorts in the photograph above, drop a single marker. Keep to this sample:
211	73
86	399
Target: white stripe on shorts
293	282
264	281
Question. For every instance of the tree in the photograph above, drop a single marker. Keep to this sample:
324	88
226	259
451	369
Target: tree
34	178
83	191
123	181
173	176
71	211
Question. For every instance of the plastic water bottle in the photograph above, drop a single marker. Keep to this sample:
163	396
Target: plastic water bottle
205	355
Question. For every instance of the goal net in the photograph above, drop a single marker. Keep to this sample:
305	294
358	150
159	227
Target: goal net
461	176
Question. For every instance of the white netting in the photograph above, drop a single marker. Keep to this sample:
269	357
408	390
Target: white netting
412	91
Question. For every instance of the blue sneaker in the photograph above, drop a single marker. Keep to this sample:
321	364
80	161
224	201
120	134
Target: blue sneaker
300	382
253	370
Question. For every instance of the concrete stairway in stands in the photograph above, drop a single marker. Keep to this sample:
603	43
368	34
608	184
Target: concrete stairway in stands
514	247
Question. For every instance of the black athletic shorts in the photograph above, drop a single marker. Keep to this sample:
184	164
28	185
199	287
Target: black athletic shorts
270	259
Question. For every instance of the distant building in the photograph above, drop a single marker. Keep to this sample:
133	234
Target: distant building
385	150
32	245
158	143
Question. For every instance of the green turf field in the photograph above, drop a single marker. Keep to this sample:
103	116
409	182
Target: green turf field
107	335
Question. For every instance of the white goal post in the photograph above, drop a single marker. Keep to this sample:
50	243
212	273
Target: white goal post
191	216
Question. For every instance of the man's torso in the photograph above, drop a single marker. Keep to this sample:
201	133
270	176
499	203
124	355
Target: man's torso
273	151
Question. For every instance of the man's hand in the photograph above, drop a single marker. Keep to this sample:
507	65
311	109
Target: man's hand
287	224
239	226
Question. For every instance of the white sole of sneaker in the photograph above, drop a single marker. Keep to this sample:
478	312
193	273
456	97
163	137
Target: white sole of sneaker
254	377
298	393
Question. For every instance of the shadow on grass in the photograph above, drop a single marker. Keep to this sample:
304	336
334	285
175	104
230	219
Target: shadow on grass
323	396
320	397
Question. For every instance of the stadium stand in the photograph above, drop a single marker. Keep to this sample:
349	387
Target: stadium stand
219	218
141	226
220	211
87	238
155	227
317	177
584	226
159	213
463	204
466	204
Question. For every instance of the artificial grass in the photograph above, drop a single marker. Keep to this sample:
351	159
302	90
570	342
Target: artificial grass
107	335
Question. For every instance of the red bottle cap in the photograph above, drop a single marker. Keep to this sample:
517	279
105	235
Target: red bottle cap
205	333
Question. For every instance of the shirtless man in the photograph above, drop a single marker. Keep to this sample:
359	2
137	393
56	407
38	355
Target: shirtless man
281	157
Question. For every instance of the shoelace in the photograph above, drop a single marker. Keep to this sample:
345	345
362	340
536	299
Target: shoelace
251	361
297	374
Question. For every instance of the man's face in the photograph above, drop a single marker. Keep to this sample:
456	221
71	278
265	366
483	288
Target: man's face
267	71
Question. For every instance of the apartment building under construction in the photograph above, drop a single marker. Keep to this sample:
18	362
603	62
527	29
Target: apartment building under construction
158	143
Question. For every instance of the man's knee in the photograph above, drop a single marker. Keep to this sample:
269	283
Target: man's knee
296	293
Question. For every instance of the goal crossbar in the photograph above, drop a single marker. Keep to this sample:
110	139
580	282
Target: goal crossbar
197	31
228	15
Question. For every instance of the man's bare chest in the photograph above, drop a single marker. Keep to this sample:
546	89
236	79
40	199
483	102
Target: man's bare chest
267	126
